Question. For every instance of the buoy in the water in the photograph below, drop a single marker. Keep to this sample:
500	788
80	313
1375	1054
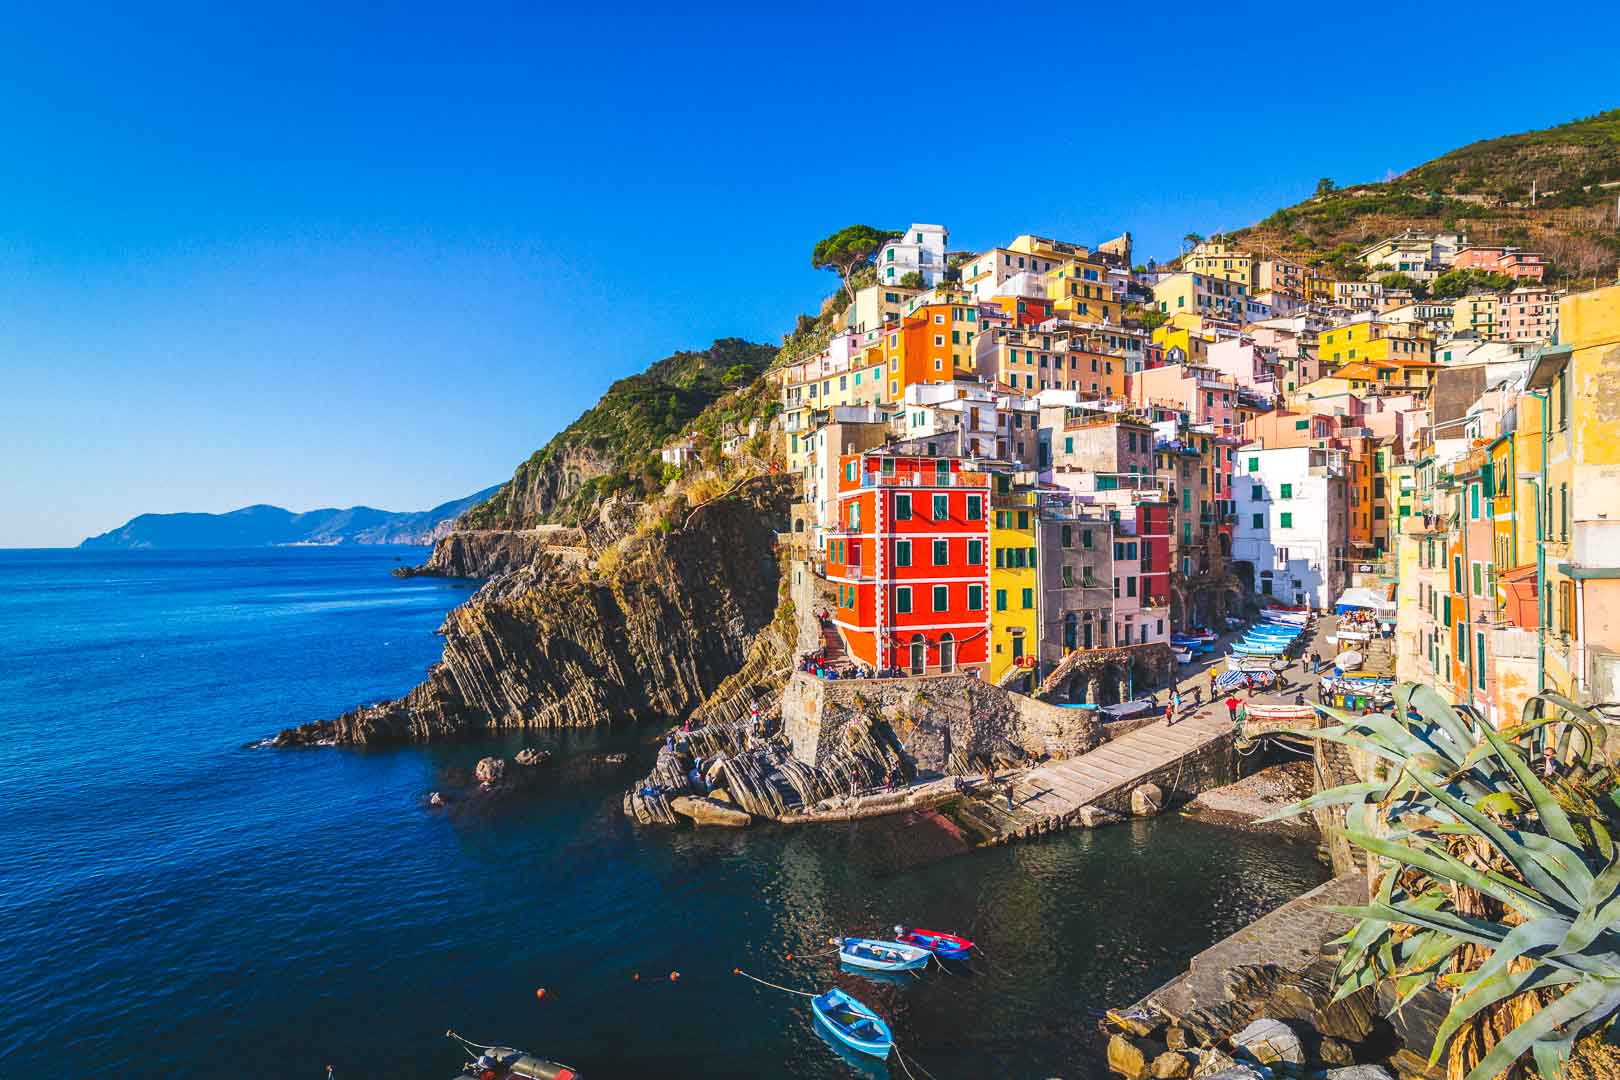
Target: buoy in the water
674	976
636	977
540	993
790	956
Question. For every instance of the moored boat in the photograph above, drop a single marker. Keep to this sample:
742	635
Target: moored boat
882	955
853	1024
505	1063
945	946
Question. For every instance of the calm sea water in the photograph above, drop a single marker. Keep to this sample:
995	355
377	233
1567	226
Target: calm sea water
174	903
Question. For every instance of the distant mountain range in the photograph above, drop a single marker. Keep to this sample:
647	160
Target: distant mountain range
271	526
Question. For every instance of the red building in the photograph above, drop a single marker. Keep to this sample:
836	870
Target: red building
909	558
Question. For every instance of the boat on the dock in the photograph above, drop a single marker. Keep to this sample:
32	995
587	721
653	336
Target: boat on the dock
945	946
854	1025
882	955
505	1063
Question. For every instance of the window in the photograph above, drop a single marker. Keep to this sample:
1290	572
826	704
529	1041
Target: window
1029	599
1287	520
975	596
975	552
1085	538
942	507
1066	536
902	553
1254	464
975	507
1259	521
1130	586
902	600
1287	491
902	508
942	597
849	471
1001	599
1257	493
942	552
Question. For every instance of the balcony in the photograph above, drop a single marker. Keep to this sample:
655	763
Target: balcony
919	480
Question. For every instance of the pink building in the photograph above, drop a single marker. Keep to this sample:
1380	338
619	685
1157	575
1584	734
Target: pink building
1206	393
1528	313
1496	259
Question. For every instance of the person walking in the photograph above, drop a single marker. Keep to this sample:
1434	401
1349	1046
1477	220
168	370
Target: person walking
1009	795
1198	696
1169	714
1232	704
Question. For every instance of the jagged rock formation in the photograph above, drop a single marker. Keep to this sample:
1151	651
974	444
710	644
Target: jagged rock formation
483	553
648	634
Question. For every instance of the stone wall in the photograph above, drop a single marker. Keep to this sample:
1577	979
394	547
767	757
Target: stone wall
935	719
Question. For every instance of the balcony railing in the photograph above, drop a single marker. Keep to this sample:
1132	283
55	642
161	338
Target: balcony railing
922	480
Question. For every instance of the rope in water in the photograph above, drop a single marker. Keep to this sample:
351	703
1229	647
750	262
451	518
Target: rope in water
902	1059
773	986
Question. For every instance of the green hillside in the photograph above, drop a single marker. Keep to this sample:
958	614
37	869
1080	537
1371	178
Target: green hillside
1482	189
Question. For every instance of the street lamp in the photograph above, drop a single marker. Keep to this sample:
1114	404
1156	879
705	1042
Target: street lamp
1534	480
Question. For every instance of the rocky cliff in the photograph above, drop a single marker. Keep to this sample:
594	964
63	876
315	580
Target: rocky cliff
483	553
646	634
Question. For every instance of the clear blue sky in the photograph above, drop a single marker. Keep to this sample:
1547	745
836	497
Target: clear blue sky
327	257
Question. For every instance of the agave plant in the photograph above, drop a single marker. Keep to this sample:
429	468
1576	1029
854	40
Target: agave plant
1494	883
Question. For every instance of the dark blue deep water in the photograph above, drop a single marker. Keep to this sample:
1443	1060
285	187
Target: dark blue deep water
174	903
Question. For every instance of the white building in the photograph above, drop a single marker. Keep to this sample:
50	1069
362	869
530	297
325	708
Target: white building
944	408
920	250
1292	531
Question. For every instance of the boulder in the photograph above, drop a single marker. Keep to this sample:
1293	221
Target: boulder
1138	1022
530	756
709	812
490	771
1126	1057
1271	1042
1172	1065
1214	1065
1147	800
1335	1052
1094	817
1176	1038
1360	1072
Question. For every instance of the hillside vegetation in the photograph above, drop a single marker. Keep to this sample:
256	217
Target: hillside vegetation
1482	189
613	446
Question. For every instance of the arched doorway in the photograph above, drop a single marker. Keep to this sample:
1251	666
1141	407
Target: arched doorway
919	654
947	654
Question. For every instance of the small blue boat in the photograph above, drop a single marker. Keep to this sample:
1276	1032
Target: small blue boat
852	1023
882	955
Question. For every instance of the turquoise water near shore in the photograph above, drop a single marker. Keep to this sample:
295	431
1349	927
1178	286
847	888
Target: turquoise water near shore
175	902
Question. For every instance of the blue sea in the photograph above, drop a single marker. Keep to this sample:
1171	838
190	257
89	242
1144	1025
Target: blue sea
175	902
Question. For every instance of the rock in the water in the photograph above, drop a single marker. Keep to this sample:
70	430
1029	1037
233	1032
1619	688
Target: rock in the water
1127	1058
1271	1042
1215	1065
615	759
1335	1052
490	771
435	799
1139	1022
530	756
1147	800
1094	817
1172	1065
709	812
1360	1072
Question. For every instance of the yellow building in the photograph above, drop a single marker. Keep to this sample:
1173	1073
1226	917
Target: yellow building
1079	290
1215	259
1577	385
1013	580
1476	314
1374	341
